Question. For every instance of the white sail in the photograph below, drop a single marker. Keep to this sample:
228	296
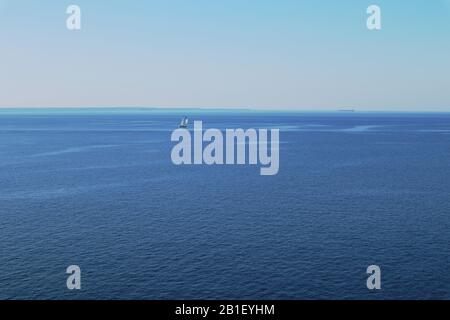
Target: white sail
184	122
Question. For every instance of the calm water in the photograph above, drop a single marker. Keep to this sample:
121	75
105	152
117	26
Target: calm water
99	190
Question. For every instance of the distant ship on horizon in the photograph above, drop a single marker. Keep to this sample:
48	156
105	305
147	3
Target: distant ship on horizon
347	110
184	123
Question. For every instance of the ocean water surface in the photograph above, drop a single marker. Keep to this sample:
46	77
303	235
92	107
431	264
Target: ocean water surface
98	189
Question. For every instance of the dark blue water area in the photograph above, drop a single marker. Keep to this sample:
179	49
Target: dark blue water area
100	191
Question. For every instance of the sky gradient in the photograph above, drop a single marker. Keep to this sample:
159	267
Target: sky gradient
271	54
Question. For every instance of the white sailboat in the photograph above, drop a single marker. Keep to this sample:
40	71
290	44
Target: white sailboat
184	123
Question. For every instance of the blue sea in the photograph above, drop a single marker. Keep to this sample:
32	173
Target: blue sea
97	188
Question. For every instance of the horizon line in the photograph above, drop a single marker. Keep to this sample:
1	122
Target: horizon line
348	110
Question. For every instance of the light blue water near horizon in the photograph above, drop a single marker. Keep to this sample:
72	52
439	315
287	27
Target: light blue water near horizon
99	190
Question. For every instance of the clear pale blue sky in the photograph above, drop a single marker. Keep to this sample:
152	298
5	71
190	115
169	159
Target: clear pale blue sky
278	54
